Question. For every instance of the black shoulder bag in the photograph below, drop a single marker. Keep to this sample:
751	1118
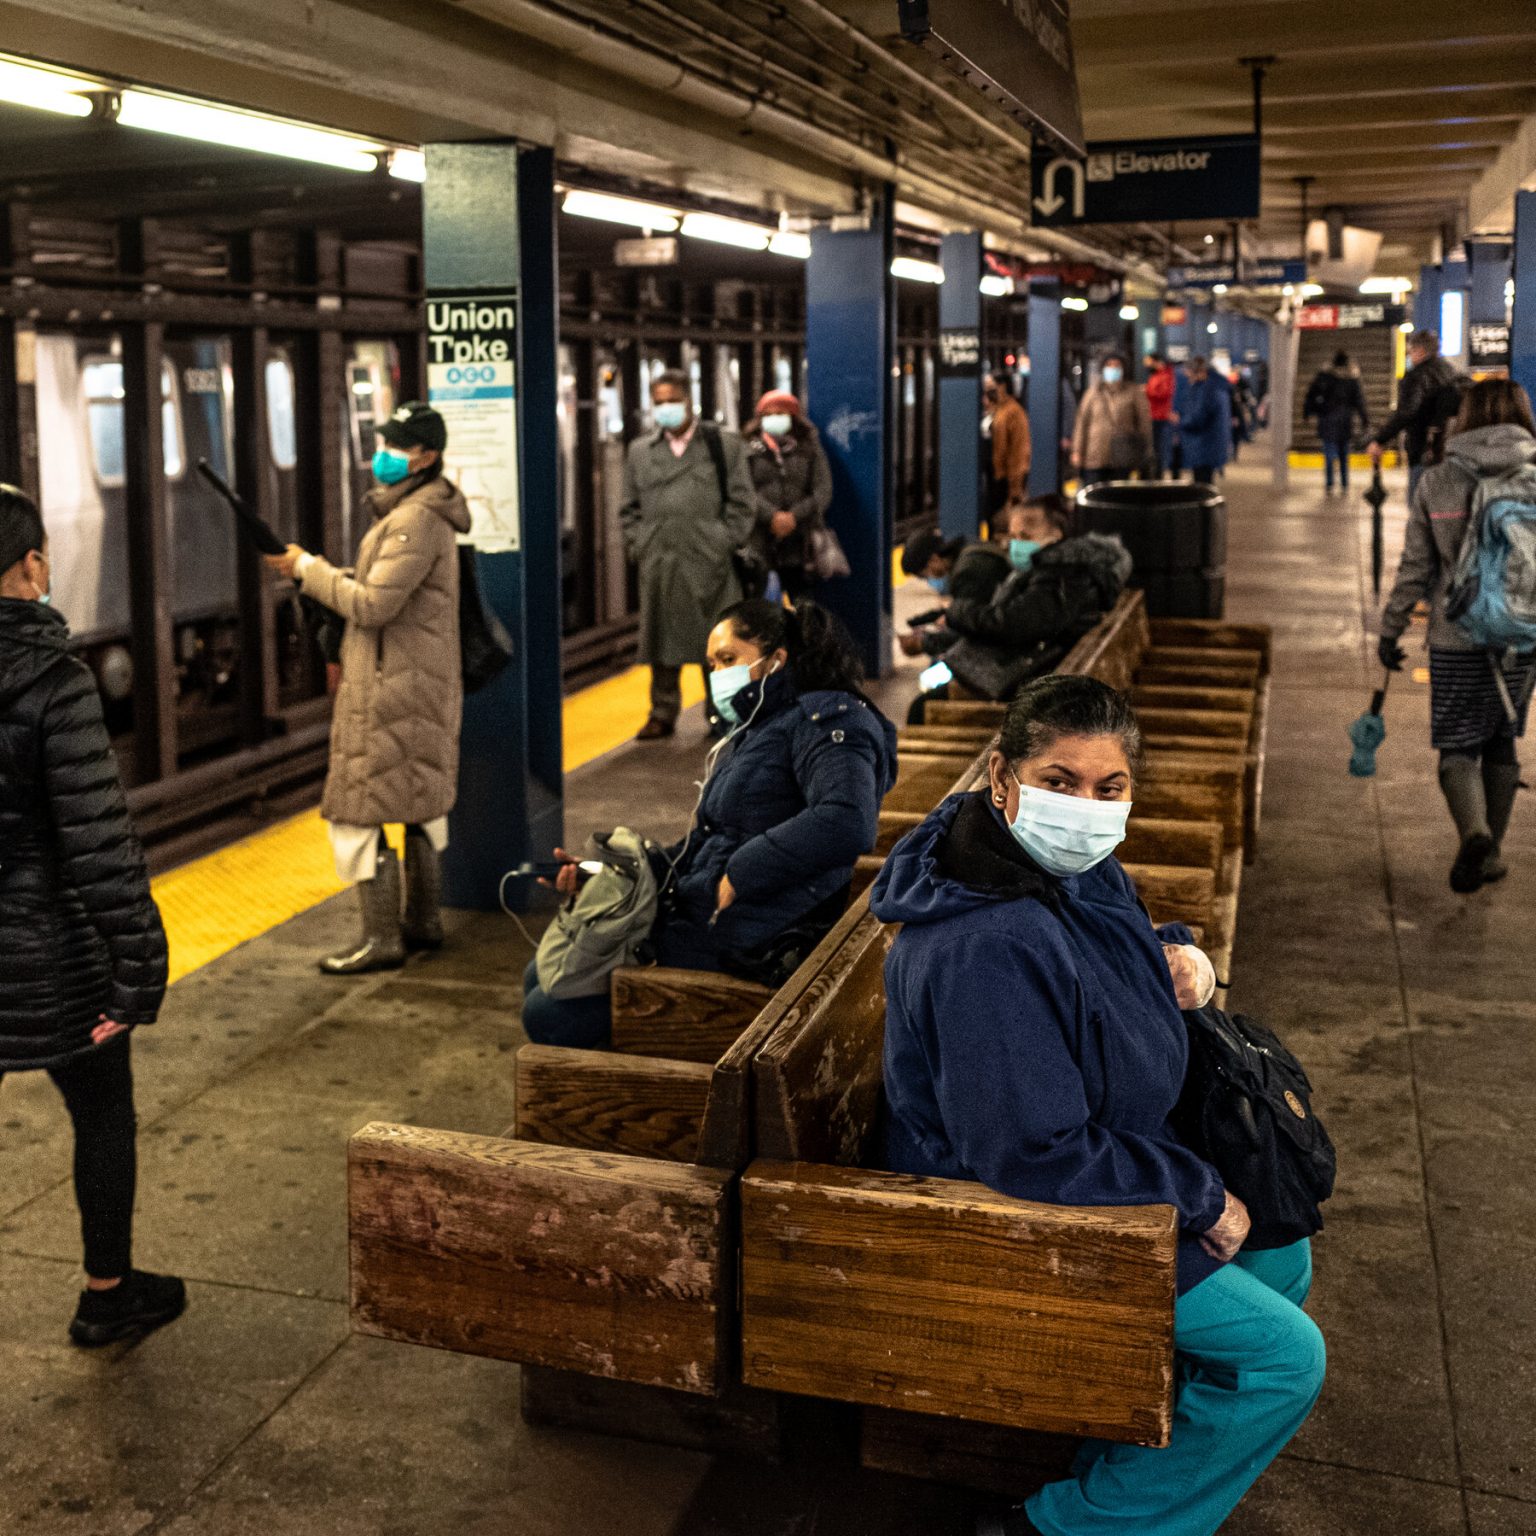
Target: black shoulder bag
485	647
1246	1109
751	569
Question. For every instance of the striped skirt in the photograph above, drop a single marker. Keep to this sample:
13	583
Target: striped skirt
1466	709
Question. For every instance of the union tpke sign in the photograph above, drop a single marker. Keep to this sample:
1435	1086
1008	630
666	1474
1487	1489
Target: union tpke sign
1126	181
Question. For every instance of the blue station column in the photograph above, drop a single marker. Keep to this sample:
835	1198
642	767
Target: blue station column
961	353
1044	403
850	328
1522	331
492	296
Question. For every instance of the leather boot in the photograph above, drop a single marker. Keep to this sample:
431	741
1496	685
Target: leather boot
381	948
423	927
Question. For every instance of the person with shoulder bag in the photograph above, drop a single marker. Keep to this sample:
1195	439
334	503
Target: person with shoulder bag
792	484
84	948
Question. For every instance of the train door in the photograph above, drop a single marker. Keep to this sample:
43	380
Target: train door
608	486
373	379
576	537
728	386
910	501
782	369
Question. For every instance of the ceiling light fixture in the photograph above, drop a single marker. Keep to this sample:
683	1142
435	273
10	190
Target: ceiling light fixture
236	129
996	286
723	231
917	271
1129	312
1311	290
621	210
786	242
1392	285
1218	287
1072	302
46	90
1212	328
408	164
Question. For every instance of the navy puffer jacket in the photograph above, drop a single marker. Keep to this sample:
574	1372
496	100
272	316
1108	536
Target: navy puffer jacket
792	803
79	932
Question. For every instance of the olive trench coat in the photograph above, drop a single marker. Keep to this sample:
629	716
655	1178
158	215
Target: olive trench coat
684	537
395	729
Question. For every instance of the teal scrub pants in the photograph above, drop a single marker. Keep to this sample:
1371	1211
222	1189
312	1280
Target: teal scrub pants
1250	1366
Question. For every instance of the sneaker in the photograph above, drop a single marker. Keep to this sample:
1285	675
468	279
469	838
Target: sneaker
139	1303
1467	871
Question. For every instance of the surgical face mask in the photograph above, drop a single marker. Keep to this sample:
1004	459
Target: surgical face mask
726	684
390	467
1113	375
1066	834
45	597
1021	552
670	414
778	424
940	584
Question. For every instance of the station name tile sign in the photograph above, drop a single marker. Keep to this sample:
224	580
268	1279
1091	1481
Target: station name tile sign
1126	181
1252	274
1487	345
959	352
472	380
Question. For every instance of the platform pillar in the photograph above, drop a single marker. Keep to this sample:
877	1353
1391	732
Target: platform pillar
492	303
962	351
850	326
1522	330
1044	401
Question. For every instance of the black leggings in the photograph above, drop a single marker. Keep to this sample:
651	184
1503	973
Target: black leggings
1500	750
98	1092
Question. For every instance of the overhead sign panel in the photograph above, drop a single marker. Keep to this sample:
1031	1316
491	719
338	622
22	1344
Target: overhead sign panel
1348	317
1252	274
1017	52
1127	181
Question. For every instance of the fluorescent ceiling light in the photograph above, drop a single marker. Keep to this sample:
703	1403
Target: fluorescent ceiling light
723	231
1406	327
917	271
1129	312
1288	290
1386	285
1311	290
996	286
246	130
786	242
408	164
1072	302
1211	328
621	210
1218	287
47	90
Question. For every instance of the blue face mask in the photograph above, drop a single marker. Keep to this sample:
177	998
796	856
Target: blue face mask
778	424
940	584
1113	375
390	467
670	415
1066	834
1021	552
724	685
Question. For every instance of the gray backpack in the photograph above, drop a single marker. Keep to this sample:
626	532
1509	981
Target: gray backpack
606	923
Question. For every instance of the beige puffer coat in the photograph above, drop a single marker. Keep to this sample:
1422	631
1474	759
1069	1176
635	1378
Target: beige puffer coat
1114	428
395	731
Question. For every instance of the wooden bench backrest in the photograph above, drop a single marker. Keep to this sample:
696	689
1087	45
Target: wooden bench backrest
1111	650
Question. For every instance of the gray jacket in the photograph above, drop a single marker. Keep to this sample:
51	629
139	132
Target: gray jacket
683	537
1437	519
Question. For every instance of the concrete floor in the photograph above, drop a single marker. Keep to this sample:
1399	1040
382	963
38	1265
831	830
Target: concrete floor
259	1413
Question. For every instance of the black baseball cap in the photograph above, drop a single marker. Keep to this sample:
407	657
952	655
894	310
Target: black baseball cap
415	425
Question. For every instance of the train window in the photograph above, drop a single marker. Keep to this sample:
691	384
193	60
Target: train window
610	401
783	371
101	378
567	405
728	387
281	429
173	450
695	371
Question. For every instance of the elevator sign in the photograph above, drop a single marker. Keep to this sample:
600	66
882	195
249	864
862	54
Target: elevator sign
472	380
1128	181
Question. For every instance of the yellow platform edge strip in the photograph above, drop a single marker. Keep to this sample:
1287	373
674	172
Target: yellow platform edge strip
216	903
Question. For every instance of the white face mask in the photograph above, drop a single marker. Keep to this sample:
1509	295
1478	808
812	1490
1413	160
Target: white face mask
778	424
1067	834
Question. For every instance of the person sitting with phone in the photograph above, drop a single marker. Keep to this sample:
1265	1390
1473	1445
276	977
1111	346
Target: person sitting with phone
791	798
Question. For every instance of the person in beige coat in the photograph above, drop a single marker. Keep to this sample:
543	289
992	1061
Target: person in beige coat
395	729
1113	436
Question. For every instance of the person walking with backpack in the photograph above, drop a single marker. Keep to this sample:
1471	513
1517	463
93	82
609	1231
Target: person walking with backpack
1336	401
688	505
84	948
1427	402
1464	518
395	729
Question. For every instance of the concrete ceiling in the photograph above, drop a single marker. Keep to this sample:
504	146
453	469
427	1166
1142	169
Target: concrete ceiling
1404	112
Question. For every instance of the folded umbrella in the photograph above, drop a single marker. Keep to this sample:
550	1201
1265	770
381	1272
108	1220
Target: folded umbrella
1367	734
1375	498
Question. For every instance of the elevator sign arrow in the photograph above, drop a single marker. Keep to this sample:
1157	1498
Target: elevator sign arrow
1130	181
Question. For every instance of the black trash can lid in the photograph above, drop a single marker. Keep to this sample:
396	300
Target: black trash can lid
1149	495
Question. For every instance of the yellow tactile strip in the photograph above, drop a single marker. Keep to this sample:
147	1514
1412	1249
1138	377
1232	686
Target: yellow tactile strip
216	903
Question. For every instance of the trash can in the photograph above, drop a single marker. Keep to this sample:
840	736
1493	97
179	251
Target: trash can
1177	537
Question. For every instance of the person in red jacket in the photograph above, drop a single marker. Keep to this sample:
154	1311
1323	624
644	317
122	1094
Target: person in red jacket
1160	387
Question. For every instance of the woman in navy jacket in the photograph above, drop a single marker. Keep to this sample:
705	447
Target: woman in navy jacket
1011	896
1203	404
791	802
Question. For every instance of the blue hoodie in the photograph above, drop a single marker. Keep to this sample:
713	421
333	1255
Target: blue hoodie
1032	1037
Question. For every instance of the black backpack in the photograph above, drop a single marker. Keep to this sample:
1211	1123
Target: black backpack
751	568
1246	1109
485	647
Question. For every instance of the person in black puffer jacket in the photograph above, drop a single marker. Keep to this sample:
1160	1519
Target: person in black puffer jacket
85	952
791	801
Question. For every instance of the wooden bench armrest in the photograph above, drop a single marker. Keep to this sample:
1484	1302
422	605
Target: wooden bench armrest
944	1297
660	1010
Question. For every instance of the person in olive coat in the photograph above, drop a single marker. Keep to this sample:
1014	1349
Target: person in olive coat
85	952
792	485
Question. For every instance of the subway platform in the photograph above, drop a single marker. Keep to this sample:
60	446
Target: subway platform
260	1413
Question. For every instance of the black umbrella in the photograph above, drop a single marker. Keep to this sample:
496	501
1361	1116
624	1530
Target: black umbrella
1375	497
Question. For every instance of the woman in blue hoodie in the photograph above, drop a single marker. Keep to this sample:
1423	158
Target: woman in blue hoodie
791	801
1063	1096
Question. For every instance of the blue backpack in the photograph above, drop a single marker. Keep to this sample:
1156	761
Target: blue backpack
1491	597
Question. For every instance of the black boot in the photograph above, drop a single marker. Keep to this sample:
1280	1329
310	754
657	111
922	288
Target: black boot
382	948
1501	782
138	1303
1461	782
423	927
